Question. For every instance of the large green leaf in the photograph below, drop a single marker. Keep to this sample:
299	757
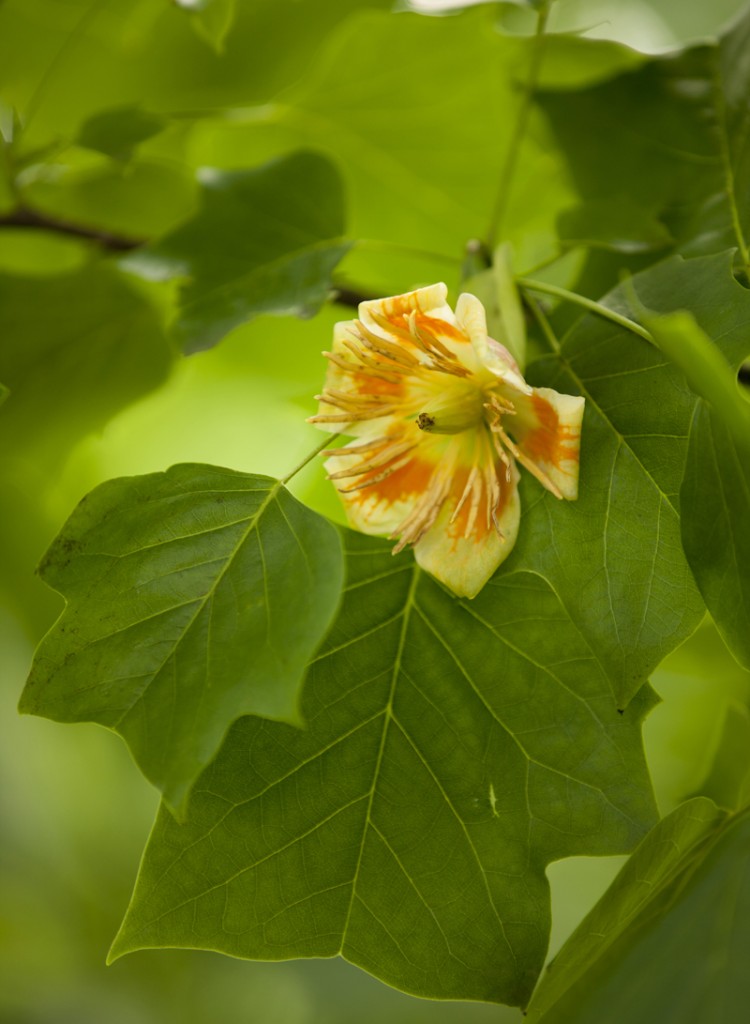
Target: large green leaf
667	141
715	494
262	241
194	596
632	593
715	499
136	51
669	939
452	750
419	112
76	347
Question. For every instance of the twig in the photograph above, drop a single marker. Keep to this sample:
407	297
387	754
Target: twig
26	218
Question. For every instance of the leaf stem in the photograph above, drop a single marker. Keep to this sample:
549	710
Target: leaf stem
511	159
26	218
308	458
580	300
546	326
721	117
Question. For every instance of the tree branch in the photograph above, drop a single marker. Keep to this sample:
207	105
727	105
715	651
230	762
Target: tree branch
23	217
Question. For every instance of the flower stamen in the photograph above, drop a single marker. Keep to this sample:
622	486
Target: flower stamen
433	462
393	451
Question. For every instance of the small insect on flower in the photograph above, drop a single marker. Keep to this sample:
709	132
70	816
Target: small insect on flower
441	418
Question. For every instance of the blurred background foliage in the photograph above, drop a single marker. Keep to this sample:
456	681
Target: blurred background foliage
121	101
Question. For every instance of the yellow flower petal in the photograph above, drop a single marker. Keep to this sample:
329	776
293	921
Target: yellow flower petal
464	561
440	415
547	430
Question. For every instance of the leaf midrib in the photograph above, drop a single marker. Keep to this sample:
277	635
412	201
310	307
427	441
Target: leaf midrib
206	598
387	718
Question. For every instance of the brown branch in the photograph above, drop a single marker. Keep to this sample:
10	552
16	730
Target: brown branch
23	217
26	218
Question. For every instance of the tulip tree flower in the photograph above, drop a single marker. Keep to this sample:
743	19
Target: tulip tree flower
441	419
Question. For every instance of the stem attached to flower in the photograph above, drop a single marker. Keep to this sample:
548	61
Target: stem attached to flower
544	324
519	130
580	300
308	458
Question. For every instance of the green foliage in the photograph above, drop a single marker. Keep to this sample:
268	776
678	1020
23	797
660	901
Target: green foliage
728	781
708	373
496	289
452	750
681	899
258	244
194	596
393	100
76	348
715	500
663	142
632	610
212	19
376	769
117	132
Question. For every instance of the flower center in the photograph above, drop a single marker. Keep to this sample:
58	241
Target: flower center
453	410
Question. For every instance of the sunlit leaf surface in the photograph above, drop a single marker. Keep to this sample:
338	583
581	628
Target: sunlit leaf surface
715	501
194	596
452	749
668	139
615	557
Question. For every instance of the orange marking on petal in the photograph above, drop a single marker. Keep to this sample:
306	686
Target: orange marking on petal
435	326
550	442
413	478
369	385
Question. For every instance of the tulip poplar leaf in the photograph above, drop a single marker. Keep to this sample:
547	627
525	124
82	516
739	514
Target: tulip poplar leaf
668	940
193	597
667	139
452	749
407	131
262	241
715	493
715	500
633	594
